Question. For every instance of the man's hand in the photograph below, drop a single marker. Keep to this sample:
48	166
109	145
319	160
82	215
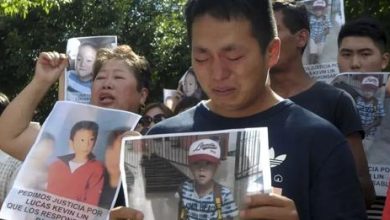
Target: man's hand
121	213
269	206
49	66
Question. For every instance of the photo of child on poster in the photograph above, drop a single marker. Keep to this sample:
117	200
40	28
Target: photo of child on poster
370	108
373	105
71	170
188	87
78	175
326	18
204	158
199	175
82	54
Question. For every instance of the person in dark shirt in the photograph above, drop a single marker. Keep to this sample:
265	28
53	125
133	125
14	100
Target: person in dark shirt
289	79
233	46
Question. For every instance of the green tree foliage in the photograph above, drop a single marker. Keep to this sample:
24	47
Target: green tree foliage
152	28
22	7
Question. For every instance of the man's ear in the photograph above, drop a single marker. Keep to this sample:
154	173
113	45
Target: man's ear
273	52
302	37
385	60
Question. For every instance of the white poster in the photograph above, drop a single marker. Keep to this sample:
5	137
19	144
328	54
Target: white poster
171	98
72	170
326	18
82	54
187	94
202	175
371	92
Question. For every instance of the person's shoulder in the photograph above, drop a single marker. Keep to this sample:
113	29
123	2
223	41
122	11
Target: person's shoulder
57	163
224	189
186	186
73	80
331	91
327	87
323	136
296	112
72	75
95	164
179	123
66	157
303	119
95	161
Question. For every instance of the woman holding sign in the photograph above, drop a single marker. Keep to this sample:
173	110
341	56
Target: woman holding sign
120	81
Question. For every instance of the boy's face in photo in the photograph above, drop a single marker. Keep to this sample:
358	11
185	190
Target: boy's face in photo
83	142
189	85
361	54
368	92
84	62
318	11
229	64
203	171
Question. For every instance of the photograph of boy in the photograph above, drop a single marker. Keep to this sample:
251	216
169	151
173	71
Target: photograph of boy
203	197
78	176
371	110
319	29
80	79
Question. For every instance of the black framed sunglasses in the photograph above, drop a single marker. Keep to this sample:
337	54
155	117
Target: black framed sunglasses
146	120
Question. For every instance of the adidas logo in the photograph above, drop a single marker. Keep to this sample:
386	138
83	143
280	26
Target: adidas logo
276	161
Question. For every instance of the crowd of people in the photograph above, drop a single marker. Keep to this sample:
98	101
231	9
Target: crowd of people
247	58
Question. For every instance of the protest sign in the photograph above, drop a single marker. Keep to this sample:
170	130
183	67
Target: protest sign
326	19
72	170
371	92
82	54
161	172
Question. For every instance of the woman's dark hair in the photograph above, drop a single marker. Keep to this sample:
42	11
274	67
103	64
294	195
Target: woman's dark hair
167	112
138	64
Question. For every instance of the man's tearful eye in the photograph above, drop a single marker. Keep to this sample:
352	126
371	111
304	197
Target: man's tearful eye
235	58
201	59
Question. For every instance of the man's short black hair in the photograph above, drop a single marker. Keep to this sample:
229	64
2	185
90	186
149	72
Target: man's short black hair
364	27
295	17
258	12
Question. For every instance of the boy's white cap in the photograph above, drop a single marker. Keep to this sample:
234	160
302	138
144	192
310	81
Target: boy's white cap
204	149
319	3
370	81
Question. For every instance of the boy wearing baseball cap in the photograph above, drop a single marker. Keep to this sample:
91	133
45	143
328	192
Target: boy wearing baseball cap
202	197
371	110
319	25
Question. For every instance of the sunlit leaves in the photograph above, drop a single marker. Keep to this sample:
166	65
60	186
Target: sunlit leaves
22	7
